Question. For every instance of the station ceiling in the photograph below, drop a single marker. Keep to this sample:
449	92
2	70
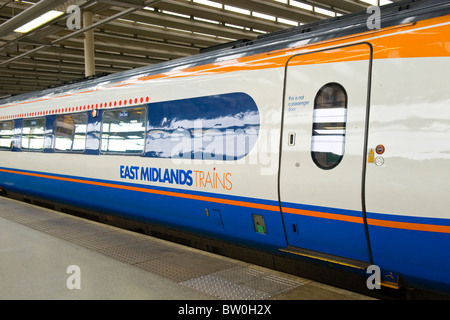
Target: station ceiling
134	33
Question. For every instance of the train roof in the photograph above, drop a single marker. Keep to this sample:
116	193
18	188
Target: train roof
393	14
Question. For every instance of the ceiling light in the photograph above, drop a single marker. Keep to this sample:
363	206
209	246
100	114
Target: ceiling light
39	21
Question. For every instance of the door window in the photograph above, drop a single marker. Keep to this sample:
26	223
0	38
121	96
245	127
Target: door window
329	121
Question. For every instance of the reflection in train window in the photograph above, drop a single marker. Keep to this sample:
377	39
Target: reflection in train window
70	132
33	134
221	127
329	122
123	131
6	135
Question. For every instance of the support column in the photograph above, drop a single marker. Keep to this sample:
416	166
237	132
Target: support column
89	55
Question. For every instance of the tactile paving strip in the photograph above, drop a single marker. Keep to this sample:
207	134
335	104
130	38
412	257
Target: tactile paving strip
169	270
241	283
224	289
219	277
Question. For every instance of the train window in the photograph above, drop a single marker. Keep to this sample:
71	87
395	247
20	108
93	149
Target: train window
123	131
329	126
221	127
6	135
33	134
70	132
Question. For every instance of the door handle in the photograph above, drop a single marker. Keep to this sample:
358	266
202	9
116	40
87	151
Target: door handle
291	139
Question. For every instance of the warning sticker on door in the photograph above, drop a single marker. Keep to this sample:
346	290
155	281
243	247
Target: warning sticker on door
371	158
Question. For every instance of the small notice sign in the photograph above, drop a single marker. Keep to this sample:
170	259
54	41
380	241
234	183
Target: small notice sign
371	158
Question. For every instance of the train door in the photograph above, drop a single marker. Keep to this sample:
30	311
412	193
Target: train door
323	151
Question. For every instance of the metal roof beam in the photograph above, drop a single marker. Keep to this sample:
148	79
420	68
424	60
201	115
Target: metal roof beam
100	57
75	55
148	45
50	64
157	18
202	11
39	75
36	69
124	3
112	43
161	33
275	9
341	6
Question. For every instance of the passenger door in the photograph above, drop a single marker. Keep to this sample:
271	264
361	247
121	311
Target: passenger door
323	150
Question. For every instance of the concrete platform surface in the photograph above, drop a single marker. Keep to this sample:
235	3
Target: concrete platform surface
45	254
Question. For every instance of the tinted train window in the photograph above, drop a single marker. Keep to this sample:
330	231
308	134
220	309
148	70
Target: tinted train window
33	134
6	135
70	132
218	127
329	122
123	131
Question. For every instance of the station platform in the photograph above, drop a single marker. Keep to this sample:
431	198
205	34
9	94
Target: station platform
49	255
